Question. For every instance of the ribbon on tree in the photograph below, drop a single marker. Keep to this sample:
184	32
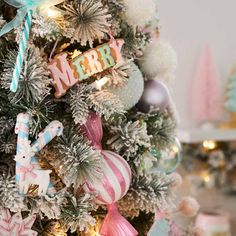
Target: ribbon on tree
24	14
113	185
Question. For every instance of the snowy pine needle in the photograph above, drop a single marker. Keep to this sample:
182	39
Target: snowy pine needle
162	127
76	213
78	99
84	97
46	27
119	74
146	193
77	161
105	103
9	195
34	80
2	21
87	21
129	137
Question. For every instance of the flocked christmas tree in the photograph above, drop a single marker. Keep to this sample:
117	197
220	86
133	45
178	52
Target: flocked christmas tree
74	147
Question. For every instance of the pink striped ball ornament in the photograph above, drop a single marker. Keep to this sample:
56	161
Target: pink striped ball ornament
114	183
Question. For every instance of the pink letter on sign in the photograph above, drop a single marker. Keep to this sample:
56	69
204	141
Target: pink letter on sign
62	74
116	45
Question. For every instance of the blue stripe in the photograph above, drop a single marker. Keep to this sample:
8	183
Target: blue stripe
23	134
17	177
47	137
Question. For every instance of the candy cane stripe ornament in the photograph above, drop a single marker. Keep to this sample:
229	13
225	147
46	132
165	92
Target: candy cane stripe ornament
28	170
24	14
114	184
22	49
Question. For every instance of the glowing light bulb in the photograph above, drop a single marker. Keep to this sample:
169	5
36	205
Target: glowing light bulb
209	144
52	13
175	149
100	83
207	178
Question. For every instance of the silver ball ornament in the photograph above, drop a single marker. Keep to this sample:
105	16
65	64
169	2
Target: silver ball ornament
155	95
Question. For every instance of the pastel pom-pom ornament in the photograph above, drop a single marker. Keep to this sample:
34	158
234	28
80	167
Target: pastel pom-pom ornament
198	232
114	184
130	93
139	12
155	95
159	60
188	206
177	180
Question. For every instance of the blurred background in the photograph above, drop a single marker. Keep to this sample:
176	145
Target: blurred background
203	35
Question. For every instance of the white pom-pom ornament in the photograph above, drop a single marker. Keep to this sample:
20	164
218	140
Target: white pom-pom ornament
159	60
140	12
130	93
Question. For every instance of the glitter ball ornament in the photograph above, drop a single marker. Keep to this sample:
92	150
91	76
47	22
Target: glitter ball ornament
130	93
155	95
159	60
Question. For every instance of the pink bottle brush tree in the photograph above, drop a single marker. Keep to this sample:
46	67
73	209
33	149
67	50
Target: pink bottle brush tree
207	93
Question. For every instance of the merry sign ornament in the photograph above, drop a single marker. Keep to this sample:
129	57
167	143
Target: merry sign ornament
67	73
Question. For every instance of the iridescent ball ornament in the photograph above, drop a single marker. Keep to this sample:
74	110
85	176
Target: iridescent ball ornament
155	95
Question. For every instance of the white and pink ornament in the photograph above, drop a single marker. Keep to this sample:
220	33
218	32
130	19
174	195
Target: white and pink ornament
15	225
113	185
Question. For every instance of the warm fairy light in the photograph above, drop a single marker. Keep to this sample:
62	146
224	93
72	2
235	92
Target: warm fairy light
175	149
94	231
206	177
209	144
75	54
100	83
52	13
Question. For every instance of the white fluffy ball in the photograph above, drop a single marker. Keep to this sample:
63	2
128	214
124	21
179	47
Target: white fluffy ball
140	12
159	60
130	94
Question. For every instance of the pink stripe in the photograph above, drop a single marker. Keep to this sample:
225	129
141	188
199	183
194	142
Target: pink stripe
118	174
98	198
20	141
41	142
123	161
109	188
24	128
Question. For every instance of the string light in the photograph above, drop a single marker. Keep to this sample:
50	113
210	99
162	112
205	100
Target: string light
53	12
208	179
54	229
100	83
175	149
209	144
94	231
